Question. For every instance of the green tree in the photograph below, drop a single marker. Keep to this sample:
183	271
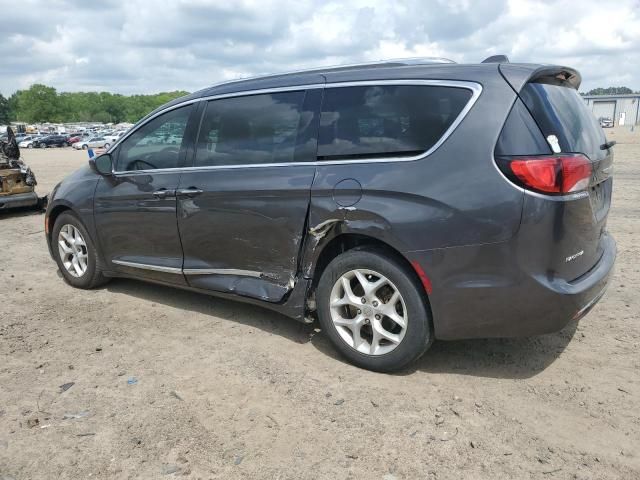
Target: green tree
5	111
39	103
610	91
13	106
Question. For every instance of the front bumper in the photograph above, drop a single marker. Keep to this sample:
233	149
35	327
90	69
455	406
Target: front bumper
28	199
480	292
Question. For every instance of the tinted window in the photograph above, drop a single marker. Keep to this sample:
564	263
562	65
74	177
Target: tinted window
251	130
398	120
560	111
156	144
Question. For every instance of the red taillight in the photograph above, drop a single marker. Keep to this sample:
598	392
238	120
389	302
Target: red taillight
552	174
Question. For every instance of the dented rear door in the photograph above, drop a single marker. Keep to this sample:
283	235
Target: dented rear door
242	206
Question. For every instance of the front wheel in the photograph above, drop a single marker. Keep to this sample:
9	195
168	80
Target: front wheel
374	310
75	253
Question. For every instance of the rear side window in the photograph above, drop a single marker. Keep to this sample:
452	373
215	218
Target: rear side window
560	112
389	120
250	130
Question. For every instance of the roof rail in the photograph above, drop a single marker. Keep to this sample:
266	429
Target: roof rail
346	66
496	59
419	60
377	63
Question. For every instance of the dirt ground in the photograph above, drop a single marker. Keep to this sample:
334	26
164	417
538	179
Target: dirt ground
169	383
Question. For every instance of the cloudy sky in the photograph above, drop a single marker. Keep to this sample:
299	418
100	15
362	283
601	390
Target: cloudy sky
145	46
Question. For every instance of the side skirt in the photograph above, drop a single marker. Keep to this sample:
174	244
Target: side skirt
292	307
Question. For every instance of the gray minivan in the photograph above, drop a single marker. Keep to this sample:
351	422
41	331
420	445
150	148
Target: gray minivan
396	202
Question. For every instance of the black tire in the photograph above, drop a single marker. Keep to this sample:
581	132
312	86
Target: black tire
42	145
93	276
30	145
419	334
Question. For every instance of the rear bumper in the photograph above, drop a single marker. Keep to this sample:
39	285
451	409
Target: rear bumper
480	292
28	199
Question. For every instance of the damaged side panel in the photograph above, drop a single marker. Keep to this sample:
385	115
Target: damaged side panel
328	220
245	220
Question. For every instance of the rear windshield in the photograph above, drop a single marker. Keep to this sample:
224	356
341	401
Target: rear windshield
562	112
386	120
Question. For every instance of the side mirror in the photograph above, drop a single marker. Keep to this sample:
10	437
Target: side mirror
102	164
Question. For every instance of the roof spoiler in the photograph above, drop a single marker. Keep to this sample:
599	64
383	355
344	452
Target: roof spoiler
519	74
496	59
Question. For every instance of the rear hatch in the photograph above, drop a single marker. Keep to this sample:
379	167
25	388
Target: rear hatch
583	156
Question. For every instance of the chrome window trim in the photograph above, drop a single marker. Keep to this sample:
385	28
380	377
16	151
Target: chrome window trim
144	266
476	90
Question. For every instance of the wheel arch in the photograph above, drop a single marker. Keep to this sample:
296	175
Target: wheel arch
344	242
52	216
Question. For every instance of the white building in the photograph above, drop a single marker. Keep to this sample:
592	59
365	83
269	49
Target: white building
622	109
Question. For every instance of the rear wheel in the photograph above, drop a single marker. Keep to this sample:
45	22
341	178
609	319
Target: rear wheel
75	253
373	310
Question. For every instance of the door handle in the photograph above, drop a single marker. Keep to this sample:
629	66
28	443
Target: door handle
189	192
164	193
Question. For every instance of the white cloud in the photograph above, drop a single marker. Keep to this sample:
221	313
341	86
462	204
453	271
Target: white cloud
148	46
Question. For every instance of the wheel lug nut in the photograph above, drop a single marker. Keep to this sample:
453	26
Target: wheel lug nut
366	320
364	300
378	317
375	304
359	311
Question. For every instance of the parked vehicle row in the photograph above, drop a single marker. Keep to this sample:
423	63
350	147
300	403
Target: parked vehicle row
80	141
92	142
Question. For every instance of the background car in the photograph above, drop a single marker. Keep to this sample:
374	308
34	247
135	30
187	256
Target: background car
51	141
114	137
27	142
93	142
605	122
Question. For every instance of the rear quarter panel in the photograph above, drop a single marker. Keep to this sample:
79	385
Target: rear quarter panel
453	197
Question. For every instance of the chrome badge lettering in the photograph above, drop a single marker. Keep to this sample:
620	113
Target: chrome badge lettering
574	256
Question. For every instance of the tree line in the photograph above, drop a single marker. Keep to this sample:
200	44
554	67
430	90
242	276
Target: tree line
41	103
610	91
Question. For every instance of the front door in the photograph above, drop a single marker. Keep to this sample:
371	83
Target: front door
135	209
242	208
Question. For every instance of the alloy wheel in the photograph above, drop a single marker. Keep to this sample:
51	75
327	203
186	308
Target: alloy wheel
73	250
368	312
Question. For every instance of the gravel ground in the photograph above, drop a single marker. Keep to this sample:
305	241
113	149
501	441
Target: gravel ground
160	383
